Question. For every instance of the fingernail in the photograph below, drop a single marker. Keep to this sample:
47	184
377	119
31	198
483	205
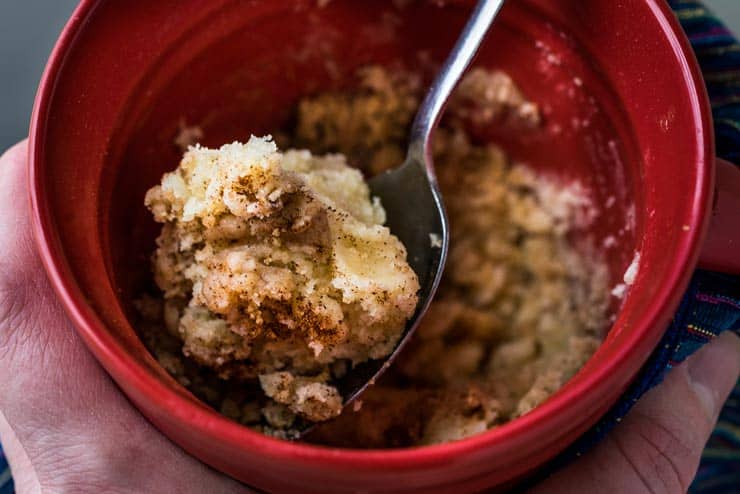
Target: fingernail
710	367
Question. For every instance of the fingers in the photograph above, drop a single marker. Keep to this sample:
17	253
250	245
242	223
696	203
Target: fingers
66	424
39	352
658	446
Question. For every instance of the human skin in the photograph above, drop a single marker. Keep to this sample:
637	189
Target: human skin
66	427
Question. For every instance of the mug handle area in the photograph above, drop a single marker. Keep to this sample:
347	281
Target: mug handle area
721	250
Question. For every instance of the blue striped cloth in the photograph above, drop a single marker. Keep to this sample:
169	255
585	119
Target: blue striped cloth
712	302
716	298
6	481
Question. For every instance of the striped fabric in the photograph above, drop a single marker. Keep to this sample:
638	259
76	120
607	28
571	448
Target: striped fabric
712	302
6	481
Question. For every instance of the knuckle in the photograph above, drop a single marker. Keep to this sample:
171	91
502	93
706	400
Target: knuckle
68	469
12	304
664	461
16	152
96	464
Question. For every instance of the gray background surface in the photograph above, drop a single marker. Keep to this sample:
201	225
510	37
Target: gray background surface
28	29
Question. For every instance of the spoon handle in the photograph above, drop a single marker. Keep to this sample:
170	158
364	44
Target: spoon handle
436	98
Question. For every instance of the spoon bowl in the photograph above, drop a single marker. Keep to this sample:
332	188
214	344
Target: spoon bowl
417	217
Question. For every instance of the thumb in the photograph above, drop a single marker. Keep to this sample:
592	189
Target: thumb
658	446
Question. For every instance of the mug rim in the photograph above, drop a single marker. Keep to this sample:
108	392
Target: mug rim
549	416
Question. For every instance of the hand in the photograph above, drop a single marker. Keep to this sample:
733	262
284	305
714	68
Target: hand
66	426
658	445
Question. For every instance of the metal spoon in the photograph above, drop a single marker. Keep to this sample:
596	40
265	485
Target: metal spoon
411	197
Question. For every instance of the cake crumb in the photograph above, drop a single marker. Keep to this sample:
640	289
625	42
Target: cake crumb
631	273
619	290
188	135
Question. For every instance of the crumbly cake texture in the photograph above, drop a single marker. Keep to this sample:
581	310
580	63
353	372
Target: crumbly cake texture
518	313
520	308
275	266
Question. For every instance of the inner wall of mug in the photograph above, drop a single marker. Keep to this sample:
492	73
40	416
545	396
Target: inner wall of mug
248	79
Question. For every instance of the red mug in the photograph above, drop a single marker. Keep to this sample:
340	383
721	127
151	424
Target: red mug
626	114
